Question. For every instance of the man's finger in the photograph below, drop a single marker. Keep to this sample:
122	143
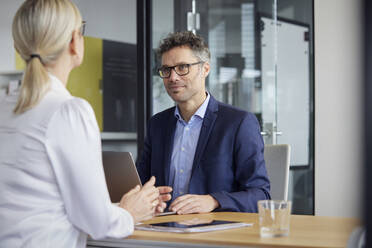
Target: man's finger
192	207
182	203
180	199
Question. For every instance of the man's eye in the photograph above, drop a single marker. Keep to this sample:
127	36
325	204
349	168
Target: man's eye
165	70
182	67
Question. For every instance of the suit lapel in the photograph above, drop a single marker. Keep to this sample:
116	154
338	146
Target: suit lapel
205	131
168	144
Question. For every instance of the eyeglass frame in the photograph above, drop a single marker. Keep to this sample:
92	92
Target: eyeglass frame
82	28
174	68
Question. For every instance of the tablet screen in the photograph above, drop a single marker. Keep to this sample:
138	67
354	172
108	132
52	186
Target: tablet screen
185	224
192	225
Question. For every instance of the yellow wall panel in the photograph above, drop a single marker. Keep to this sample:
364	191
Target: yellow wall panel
86	80
19	62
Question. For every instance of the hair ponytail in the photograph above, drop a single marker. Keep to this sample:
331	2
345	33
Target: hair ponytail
44	27
35	84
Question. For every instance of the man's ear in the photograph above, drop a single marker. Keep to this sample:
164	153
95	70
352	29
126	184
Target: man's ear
206	68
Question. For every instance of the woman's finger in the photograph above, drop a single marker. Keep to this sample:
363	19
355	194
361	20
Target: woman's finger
150	183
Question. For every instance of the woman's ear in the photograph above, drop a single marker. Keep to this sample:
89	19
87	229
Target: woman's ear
76	48
73	46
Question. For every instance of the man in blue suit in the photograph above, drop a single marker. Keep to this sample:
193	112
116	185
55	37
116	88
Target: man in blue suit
210	153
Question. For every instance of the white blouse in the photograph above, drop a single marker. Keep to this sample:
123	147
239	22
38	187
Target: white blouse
52	185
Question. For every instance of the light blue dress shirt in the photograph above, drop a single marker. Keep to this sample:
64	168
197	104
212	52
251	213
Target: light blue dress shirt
185	141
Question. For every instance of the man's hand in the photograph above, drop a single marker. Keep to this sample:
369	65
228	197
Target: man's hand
188	204
163	197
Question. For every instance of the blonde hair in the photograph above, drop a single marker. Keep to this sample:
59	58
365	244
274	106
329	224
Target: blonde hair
42	30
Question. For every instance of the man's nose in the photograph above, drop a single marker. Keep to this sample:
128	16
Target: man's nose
173	75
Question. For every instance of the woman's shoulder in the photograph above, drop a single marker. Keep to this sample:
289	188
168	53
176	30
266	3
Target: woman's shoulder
76	107
65	107
73	114
77	104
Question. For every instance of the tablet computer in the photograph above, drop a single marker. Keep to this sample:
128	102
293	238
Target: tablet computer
192	226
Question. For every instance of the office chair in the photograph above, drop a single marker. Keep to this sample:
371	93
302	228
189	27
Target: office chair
277	159
357	238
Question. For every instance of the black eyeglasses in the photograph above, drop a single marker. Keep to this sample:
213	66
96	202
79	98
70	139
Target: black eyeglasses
82	28
181	70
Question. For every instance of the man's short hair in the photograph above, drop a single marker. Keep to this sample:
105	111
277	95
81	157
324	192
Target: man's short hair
185	38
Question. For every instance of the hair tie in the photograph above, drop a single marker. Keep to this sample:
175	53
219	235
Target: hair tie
35	56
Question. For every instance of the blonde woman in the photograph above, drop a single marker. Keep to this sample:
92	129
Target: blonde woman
52	187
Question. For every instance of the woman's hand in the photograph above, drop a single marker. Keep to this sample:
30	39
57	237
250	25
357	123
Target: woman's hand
165	196
141	203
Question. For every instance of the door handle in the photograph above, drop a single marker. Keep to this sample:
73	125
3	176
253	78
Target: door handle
264	133
270	133
267	133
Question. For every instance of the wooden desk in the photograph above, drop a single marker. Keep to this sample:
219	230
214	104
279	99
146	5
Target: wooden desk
305	231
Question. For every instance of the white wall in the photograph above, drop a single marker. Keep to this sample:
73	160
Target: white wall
7	11
338	103
112	20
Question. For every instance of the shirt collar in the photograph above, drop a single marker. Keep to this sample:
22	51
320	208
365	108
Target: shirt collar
199	112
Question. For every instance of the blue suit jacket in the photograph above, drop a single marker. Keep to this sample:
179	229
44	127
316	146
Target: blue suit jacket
228	162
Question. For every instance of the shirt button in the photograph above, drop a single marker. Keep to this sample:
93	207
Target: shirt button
182	149
187	129
181	171
181	192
